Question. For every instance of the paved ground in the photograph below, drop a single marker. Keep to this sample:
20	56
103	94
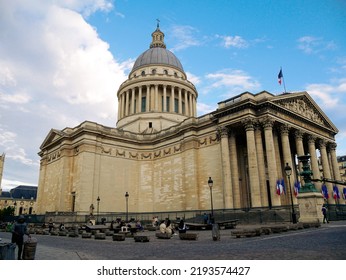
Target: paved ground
324	243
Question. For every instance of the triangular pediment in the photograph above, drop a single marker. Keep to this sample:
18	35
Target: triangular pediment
52	136
301	104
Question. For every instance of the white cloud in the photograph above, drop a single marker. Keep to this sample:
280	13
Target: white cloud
233	41
184	36
314	45
232	82
55	71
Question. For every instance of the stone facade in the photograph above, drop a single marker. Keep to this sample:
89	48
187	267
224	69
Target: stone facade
162	154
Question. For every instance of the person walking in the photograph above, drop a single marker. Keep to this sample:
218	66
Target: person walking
19	230
324	212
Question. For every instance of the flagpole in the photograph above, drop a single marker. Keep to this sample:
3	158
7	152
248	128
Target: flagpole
283	80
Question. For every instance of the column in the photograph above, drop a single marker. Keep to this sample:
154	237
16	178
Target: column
287	156
127	105
133	93
190	103
123	96
334	160
119	106
268	124
139	99
234	170
156	98
299	146
326	169
252	163
164	109
172	100
180	110
261	166
313	161
147	105
186	104
226	168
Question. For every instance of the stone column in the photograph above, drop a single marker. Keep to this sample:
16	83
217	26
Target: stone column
120	106
133	94
234	170
127	105
252	163
300	147
313	160
226	168
287	155
164	109
139	99
326	169
190	103
186	104
147	105
261	166
268	124
180	102
156	94
172	100
332	148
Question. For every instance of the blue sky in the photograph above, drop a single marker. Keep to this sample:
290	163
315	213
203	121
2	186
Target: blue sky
62	61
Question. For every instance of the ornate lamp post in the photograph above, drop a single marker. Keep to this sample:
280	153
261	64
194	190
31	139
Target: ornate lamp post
98	208
288	171
210	184
127	206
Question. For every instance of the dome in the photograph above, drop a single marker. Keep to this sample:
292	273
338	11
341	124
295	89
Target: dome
157	56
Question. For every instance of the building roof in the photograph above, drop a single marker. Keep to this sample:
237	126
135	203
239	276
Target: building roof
21	192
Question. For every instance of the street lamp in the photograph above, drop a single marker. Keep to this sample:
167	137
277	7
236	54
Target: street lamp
98	208
127	206
288	171
210	184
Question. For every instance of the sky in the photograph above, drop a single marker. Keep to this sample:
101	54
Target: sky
62	61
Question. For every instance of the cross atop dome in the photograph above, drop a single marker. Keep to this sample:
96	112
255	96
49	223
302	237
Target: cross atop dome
158	37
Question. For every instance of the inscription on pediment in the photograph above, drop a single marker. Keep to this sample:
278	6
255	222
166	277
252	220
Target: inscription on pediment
301	107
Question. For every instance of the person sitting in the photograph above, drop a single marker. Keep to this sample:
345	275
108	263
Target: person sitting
182	226
163	227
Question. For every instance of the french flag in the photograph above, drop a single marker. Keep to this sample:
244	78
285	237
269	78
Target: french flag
325	191
280	187
280	76
336	194
296	188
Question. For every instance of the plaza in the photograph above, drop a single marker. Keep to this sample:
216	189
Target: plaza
326	242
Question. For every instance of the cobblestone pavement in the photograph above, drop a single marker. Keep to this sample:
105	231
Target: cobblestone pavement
324	243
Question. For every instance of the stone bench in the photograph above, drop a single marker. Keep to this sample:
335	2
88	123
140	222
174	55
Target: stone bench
161	235
73	234
141	238
100	235
118	237
246	232
188	236
86	235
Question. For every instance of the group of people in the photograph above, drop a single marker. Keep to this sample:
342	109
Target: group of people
167	227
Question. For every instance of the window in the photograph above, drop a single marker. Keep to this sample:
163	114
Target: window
165	72
153	71
144	102
176	105
150	125
143	73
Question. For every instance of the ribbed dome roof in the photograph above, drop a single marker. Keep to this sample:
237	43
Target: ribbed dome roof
158	56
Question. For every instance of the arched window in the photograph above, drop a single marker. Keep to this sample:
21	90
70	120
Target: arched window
143	73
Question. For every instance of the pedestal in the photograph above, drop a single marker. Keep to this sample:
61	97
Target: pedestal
310	207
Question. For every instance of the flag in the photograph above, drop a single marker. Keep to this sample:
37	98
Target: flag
325	191
280	76
296	188
336	194
344	193
280	187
